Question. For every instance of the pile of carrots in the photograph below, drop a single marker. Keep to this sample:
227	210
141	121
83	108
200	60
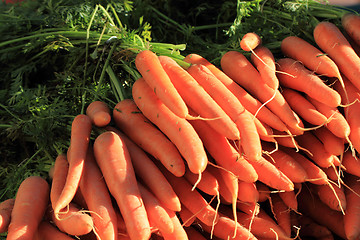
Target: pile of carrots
259	148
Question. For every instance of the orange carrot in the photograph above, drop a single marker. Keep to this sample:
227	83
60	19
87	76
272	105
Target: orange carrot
194	234
237	67
264	61
129	119
47	231
250	140
208	183
332	195
247	192
179	232
333	144
304	108
6	208
301	79
309	228
148	64
250	103
98	199
30	204
281	214
250	41
178	130
351	217
263	190
79	143
150	175
113	158
187	217
224	154
198	99
351	23
99	113
351	163
289	199
331	40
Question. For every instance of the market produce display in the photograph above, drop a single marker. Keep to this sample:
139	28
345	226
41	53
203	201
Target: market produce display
251	135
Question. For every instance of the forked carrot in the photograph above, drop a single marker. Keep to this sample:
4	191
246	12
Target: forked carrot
131	121
198	99
30	204
99	113
332	41
178	130
148	64
352	212
114	160
250	41
301	79
351	24
6	208
79	143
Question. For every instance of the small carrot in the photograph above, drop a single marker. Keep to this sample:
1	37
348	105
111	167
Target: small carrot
351	23
47	231
250	41
113	158
178	130
198	99
332	41
79	143
351	217
148	64
99	113
131	121
301	79
237	67
6	208
30	204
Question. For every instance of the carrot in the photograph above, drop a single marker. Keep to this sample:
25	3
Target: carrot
248	208
113	158
30	204
351	23
332	144
254	106
178	130
98	199
157	214
351	163
237	67
301	79
194	234
331	40
264	61
281	213
250	140
208	183
250	41
129	119
47	231
226	183
289	199
271	176
332	195
79	142
224	154
286	164
187	217
99	113
150	175
179	232
304	108
247	192
6	208
148	64
198	99
263	190
61	168
311	206
351	217
191	199
309	228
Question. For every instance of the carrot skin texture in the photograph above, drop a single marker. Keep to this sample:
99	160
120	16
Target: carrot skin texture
150	68
333	144
99	113
179	130
179	232
113	158
29	208
130	120
331	40
47	231
79	143
351	24
6	207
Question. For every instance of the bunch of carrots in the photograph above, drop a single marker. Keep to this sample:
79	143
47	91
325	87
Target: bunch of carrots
259	148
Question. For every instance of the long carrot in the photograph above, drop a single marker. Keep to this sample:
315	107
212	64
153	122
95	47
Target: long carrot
113	158
150	68
301	79
130	120
31	201
6	208
178	130
99	113
237	67
198	99
332	41
79	143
